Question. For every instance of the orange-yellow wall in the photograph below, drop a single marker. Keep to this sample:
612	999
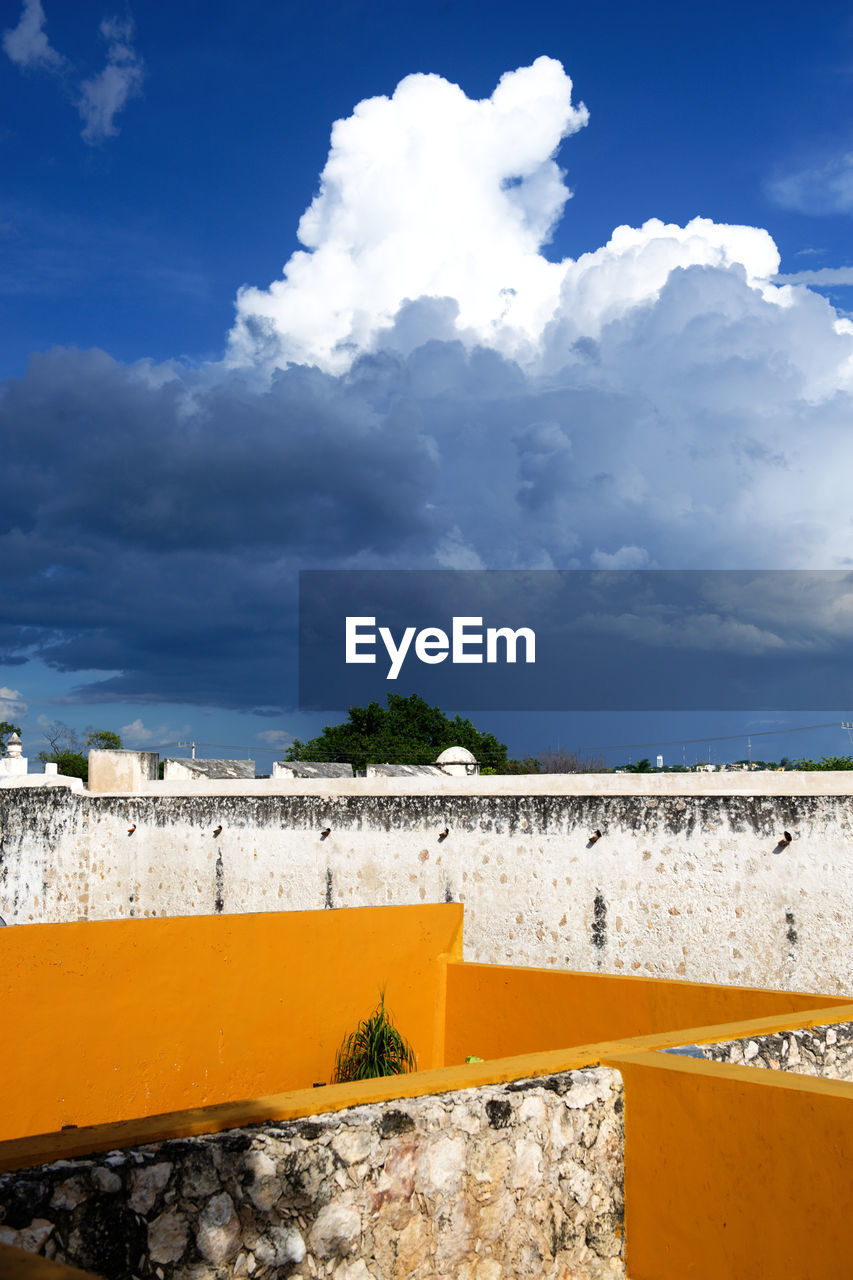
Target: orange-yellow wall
16	1264
496	1011
104	1021
735	1172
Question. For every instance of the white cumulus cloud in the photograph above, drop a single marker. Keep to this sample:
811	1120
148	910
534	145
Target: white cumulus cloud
430	195
275	738
635	264
426	193
11	703
138	734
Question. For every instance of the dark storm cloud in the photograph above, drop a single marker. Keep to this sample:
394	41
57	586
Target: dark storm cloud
153	518
150	524
150	459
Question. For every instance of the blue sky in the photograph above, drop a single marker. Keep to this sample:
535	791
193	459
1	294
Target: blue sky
672	401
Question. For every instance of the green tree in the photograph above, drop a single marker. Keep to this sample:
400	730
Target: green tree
825	762
642	766
70	764
6	731
406	731
102	740
66	750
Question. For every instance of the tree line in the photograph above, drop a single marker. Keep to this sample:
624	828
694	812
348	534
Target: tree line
66	748
407	730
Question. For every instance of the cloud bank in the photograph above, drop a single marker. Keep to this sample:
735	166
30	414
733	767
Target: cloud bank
425	387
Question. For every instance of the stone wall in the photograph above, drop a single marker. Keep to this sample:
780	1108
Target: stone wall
523	1179
695	886
809	1051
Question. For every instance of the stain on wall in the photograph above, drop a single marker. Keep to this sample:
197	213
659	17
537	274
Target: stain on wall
790	931
598	932
219	875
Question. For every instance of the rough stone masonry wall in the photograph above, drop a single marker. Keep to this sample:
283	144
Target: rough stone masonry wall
809	1051
523	1179
695	886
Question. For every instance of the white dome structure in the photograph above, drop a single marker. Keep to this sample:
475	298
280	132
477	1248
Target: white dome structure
458	762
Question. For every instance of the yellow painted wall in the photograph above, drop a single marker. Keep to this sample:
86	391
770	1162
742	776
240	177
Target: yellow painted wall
735	1172
496	1011
105	1021
15	1264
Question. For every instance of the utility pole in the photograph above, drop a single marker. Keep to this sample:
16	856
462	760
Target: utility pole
188	744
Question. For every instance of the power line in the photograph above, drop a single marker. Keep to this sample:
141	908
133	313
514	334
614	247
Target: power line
724	737
618	746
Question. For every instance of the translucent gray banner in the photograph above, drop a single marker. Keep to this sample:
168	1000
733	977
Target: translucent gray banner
577	640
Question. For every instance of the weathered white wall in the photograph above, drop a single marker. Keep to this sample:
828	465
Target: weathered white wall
679	885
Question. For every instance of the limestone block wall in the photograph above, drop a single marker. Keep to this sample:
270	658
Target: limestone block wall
523	1179
701	886
826	1052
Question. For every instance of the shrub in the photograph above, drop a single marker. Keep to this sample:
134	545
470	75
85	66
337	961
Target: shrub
375	1048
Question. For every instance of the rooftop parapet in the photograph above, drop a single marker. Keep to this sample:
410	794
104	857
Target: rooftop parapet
405	771
181	769
311	769
122	770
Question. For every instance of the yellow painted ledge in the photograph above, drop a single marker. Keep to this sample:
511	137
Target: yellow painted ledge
17	1264
300	1104
757	1077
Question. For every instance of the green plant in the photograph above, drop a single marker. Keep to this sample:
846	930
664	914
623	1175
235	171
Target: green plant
375	1048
